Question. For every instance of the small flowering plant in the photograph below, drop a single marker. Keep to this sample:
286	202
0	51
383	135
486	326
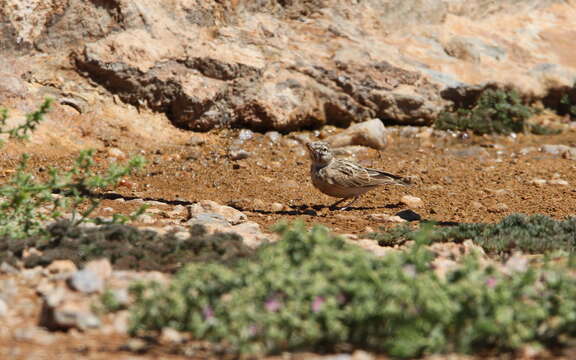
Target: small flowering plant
313	291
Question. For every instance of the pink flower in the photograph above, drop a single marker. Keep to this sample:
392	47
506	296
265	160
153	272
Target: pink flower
317	303
491	282
273	304
208	312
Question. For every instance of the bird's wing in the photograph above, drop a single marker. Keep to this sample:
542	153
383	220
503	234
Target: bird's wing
386	178
349	174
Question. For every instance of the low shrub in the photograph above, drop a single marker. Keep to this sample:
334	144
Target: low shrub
532	234
125	246
313	291
27	203
495	112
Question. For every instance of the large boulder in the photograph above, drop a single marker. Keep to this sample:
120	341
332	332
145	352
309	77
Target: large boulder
287	65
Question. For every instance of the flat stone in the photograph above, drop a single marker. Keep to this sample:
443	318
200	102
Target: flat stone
86	281
230	214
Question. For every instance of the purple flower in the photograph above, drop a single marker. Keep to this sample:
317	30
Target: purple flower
317	303
273	304
208	312
491	282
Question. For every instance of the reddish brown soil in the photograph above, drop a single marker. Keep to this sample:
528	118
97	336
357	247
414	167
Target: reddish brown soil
455	186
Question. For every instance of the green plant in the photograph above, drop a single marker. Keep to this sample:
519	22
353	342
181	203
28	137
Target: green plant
109	302
533	234
127	247
26	203
21	132
313	291
566	102
496	111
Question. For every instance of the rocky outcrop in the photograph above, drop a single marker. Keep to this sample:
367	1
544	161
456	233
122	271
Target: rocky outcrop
287	65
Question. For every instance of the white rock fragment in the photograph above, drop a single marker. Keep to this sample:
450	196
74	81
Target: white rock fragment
86	281
412	201
385	218
231	215
538	182
276	207
560	182
371	133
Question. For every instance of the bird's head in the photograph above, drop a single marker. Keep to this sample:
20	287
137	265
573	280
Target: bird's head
320	153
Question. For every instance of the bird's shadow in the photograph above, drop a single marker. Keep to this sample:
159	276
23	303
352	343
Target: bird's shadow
317	210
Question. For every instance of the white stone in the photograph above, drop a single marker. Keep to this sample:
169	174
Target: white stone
412	201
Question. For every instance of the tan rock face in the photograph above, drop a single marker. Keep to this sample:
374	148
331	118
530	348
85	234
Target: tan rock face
299	64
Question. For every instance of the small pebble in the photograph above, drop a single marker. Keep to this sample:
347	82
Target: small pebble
538	182
245	134
412	201
276	207
273	136
170	336
558	182
385	218
154	203
116	153
258	204
238	154
195	140
135	345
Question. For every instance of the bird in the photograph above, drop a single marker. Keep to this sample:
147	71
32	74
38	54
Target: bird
343	178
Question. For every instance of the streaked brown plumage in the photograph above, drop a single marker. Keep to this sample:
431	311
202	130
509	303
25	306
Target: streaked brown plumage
343	178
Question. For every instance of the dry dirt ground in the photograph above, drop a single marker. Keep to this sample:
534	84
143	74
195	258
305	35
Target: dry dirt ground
459	179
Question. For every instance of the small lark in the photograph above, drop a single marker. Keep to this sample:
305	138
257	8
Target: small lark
342	178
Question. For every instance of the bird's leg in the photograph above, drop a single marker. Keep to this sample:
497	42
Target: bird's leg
350	203
333	206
